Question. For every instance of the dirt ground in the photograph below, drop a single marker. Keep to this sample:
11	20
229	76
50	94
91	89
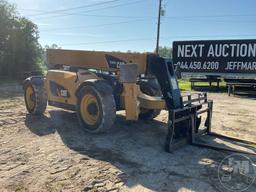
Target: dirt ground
52	153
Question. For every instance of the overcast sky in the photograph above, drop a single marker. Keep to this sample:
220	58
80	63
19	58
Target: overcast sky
121	25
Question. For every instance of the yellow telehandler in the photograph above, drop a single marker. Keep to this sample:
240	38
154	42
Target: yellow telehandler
97	84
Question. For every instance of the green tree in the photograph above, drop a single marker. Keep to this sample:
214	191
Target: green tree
165	51
53	46
19	47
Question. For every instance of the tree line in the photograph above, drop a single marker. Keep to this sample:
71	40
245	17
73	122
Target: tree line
20	50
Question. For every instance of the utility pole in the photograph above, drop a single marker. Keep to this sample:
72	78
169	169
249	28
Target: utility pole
158	26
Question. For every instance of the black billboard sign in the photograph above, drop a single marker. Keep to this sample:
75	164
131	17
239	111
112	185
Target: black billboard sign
215	56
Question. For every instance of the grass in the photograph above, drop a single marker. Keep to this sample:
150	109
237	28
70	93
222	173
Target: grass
184	85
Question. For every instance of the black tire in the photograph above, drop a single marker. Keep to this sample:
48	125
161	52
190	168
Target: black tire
38	96
152	89
105	112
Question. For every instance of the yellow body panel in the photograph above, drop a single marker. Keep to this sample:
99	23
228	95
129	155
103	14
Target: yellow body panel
131	102
95	59
69	81
65	79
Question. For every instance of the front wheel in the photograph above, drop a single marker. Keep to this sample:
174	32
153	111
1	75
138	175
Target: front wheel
35	97
96	111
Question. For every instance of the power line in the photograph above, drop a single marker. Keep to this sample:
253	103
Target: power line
184	18
73	8
129	21
132	16
193	19
179	16
213	16
93	26
111	41
41	12
98	9
216	21
87	11
212	36
115	16
164	19
111	16
152	38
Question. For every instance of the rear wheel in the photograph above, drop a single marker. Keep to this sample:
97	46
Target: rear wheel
96	111
152	89
35	98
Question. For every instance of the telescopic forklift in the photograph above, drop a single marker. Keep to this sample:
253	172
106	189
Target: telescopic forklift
97	84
